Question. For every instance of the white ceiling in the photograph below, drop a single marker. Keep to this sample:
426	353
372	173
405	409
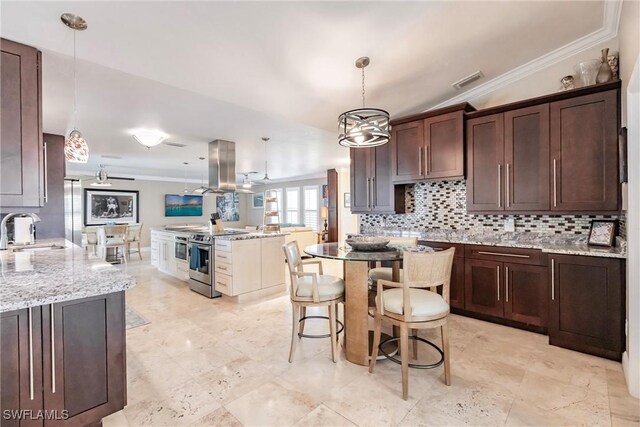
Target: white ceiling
242	70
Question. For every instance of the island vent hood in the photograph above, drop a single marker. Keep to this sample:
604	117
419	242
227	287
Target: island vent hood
222	166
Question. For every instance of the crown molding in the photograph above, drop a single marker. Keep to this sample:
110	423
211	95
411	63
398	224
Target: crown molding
609	30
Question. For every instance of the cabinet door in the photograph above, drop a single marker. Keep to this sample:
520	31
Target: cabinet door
407	152
247	265
382	186
272	261
587	304
444	146
456	287
361	180
526	145
485	155
21	365
21	157
526	293
84	358
584	153
483	287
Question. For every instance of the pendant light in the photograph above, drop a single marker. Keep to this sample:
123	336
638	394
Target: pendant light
266	170
203	188
363	127
75	147
102	178
186	190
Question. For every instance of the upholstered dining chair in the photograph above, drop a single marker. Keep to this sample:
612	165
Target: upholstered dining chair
386	273
414	304
312	290
134	231
112	236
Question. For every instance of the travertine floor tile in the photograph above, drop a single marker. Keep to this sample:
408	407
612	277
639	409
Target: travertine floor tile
323	416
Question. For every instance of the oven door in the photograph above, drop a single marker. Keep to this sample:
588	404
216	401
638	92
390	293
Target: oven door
181	251
201	263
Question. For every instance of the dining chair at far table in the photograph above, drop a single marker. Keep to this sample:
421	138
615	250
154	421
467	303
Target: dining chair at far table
134	232
415	304
112	237
312	290
90	238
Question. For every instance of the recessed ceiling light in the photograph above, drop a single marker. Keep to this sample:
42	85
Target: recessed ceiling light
148	137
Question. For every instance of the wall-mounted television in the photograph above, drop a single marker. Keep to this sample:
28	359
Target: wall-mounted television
182	205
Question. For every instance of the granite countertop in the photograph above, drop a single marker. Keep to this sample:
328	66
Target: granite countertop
245	235
548	243
32	278
251	235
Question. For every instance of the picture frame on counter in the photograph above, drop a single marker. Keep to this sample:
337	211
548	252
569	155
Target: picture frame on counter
111	206
602	232
257	201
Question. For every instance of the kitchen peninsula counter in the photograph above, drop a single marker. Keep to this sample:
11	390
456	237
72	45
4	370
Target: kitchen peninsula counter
38	277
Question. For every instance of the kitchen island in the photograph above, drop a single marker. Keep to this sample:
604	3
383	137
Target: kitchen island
62	336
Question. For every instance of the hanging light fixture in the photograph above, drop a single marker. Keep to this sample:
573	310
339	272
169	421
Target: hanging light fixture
186	190
363	127
75	147
266	170
203	188
102	178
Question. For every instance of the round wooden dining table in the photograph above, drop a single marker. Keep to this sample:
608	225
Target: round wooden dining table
356	298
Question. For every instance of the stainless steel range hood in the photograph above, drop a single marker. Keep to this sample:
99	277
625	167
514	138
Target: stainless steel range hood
222	166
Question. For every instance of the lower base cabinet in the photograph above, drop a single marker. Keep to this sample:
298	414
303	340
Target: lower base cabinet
63	364
587	304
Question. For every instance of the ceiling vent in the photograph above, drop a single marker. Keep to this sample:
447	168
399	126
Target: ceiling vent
110	156
467	80
174	144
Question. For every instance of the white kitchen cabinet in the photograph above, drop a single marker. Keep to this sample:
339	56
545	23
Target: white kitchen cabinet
163	252
238	266
272	261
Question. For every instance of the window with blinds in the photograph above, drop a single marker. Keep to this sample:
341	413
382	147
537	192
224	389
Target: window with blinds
293	206
311	200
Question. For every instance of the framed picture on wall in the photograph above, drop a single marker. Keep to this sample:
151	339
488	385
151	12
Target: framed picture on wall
602	233
228	207
182	205
110	206
257	200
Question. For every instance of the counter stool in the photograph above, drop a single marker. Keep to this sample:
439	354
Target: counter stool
408	305
312	290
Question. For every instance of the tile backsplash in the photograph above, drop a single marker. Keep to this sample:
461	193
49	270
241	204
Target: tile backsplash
442	205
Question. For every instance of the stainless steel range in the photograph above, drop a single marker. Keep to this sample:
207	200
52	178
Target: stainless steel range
201	262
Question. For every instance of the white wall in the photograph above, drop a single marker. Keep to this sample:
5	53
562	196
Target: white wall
151	204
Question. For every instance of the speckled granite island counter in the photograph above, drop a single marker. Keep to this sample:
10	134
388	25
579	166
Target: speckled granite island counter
62	326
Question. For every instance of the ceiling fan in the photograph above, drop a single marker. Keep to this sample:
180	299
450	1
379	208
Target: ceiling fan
102	178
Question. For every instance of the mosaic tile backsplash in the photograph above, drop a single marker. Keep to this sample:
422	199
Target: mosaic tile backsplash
442	205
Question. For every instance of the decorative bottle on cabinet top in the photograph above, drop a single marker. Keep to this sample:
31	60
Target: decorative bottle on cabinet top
604	74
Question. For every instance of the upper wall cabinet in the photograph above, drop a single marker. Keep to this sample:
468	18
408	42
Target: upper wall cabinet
584	151
429	145
21	151
550	154
371	188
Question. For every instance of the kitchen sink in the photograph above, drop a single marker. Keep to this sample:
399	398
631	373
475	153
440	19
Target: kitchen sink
36	248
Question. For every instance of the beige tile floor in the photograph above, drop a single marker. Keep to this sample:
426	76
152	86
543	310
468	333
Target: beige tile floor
214	362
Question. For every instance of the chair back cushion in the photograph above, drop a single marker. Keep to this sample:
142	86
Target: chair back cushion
292	254
133	232
410	242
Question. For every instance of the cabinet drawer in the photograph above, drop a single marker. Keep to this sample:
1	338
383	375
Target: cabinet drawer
223	257
224	284
223	245
514	255
223	268
444	245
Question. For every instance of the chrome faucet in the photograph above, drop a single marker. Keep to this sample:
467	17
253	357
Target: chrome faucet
4	240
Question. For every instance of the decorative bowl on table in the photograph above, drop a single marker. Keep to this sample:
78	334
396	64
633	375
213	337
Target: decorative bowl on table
367	243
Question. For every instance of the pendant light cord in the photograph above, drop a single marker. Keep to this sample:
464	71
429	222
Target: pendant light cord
75	85
362	87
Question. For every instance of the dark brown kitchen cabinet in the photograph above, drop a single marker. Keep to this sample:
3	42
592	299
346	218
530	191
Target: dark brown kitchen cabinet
526	294
587	304
21	151
371	188
79	354
429	145
584	153
508	161
483	287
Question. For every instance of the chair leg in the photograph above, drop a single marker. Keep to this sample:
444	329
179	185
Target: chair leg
125	255
377	329
404	357
294	331
139	253
445	348
332	328
303	314
414	332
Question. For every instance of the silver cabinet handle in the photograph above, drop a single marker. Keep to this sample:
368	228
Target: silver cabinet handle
420	161
506	283
221	284
501	254
555	183
31	395
553	279
46	169
53	351
507	182
499	185
368	192
427	160
222	268
498	280
374	196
